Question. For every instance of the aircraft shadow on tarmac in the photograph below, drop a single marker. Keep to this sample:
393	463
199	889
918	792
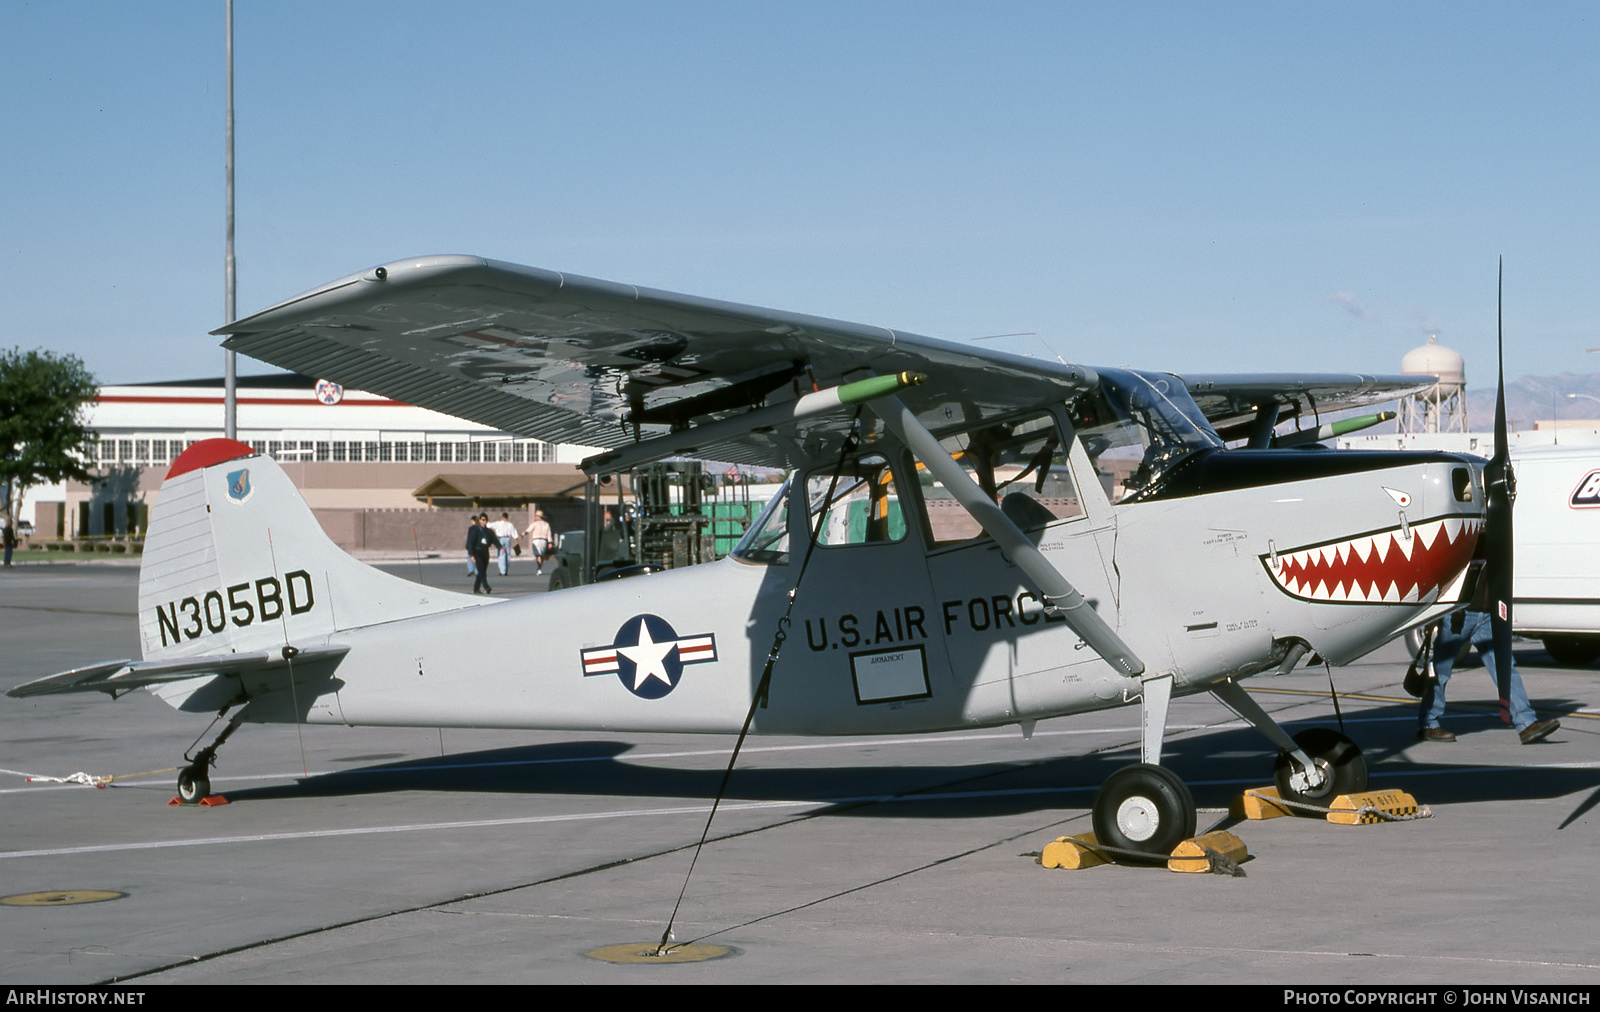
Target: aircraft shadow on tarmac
1217	765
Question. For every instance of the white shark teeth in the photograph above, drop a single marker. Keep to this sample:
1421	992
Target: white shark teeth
1404	545
1388	567
1425	533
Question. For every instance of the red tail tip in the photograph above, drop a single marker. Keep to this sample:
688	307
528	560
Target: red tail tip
208	452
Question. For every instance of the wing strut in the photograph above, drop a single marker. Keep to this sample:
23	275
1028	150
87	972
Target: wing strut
1058	592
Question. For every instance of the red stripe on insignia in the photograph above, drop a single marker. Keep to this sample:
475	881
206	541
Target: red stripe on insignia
701	648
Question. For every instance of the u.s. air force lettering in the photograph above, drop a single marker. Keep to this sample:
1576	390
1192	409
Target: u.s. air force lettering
256	601
648	656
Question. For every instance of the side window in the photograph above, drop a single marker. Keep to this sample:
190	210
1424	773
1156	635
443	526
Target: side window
859	505
767	540
1021	465
1117	451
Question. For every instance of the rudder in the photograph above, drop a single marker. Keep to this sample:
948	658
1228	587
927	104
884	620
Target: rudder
235	560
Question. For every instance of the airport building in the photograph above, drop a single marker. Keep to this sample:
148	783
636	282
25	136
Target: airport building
381	475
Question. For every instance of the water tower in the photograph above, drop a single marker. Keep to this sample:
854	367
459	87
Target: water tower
1443	406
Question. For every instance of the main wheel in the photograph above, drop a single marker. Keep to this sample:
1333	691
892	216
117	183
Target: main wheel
193	785
1145	808
1337	756
1574	651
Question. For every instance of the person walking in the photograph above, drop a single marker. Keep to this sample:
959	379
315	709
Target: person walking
539	538
1455	633
507	534
479	540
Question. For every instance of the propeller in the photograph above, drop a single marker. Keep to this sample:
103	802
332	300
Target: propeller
1502	492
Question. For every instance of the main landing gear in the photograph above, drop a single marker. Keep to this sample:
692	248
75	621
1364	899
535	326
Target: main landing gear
1335	757
1145	808
1314	766
194	780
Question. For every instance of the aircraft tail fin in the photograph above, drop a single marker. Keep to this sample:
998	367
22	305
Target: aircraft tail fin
235	561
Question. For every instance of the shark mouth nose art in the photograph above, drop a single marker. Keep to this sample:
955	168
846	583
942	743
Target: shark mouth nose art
1402	565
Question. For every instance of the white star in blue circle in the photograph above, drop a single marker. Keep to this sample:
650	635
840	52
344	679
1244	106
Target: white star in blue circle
647	657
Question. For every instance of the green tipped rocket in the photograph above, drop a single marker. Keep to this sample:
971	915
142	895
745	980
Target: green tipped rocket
878	386
1342	427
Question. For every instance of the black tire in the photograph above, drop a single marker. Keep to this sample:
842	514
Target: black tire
1334	753
1145	808
1573	651
193	786
559	580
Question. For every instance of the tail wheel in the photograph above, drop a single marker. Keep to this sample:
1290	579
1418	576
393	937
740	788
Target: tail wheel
193	785
1340	760
1145	808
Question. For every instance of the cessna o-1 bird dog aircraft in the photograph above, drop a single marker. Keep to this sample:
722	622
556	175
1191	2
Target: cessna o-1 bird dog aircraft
967	538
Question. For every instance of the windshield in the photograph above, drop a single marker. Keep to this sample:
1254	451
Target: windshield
1135	426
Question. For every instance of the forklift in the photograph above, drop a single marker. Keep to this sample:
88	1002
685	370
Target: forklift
663	515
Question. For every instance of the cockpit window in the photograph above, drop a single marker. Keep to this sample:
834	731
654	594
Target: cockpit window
767	540
857	505
1136	426
1020	464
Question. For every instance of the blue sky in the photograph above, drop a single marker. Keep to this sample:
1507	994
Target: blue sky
1193	187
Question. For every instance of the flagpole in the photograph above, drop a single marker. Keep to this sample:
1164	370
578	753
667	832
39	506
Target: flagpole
230	401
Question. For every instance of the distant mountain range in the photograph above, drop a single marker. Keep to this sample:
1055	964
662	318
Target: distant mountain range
1534	398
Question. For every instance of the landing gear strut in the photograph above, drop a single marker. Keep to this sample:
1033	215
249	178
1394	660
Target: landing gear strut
194	780
1146	807
1314	766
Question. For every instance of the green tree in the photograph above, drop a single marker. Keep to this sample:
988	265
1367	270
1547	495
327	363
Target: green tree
44	400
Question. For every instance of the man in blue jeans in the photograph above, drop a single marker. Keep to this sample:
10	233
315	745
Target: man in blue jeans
1474	627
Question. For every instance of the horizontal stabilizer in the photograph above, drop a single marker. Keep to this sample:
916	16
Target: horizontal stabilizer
116	677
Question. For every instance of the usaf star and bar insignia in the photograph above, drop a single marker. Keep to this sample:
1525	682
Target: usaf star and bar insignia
648	656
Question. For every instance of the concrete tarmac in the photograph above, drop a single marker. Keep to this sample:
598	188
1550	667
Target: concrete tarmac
374	855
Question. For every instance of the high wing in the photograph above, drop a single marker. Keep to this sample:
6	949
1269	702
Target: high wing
1232	402
576	360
